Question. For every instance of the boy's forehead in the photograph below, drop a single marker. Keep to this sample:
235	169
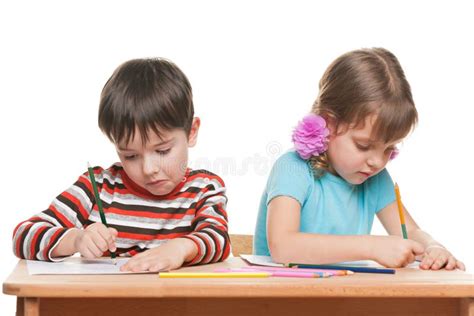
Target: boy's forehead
151	137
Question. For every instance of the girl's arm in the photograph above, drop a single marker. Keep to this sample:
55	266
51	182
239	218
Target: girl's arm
287	244
436	256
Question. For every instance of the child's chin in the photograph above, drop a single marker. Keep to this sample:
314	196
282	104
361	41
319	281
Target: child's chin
159	192
164	190
356	181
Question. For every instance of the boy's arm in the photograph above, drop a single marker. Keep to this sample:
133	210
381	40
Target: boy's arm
210	227
287	244
36	238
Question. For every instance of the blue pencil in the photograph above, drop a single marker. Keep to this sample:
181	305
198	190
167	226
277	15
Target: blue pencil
341	267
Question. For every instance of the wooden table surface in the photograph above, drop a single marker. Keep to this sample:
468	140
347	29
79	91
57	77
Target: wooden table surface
406	284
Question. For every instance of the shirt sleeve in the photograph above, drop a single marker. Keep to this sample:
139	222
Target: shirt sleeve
35	238
386	190
210	226
290	176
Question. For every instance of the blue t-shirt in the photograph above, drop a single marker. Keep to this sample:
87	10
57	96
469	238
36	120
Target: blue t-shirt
329	205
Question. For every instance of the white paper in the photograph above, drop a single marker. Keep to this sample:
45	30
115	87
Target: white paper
75	265
261	261
267	261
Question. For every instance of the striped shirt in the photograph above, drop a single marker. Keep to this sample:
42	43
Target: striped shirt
195	209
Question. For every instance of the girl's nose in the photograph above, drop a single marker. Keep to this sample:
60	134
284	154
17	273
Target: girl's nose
375	162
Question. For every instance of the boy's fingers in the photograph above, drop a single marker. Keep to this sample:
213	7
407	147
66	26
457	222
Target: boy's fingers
94	250
113	231
108	237
100	242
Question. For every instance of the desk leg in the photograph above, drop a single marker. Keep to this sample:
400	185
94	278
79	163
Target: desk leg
31	306
467	307
20	306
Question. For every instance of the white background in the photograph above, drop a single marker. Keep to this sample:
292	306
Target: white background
254	67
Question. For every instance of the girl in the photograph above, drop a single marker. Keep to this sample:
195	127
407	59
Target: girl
320	200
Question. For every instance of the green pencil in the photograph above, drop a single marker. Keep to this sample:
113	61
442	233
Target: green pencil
99	202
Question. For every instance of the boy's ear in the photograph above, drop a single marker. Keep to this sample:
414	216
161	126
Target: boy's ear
193	132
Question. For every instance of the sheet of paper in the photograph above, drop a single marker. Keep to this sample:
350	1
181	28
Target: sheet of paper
372	264
267	261
77	265
261	260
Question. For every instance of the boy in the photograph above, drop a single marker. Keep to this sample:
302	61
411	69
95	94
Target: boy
158	210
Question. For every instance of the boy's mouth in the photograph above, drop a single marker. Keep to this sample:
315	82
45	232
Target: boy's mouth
156	182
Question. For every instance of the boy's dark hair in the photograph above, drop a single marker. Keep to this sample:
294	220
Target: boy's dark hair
149	94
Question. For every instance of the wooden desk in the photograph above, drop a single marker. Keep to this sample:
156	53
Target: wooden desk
408	292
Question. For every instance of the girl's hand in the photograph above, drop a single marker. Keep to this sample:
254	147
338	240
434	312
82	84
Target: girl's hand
394	251
96	239
437	257
168	256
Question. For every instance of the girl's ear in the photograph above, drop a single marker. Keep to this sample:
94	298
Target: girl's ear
332	125
193	132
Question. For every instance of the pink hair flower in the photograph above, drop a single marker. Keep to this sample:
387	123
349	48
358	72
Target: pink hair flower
310	136
394	153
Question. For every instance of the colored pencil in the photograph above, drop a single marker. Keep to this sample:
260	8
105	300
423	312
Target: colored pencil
99	203
344	267
214	274
324	272
296	273
400	211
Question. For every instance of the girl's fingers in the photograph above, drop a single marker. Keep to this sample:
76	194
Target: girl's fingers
439	263
427	262
460	265
451	263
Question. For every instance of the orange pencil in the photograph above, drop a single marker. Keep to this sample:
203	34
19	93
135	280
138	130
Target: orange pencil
400	211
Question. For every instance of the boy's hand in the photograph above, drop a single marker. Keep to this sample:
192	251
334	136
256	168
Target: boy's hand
437	257
168	256
394	251
96	239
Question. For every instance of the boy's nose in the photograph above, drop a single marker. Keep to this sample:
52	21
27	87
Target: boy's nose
150	166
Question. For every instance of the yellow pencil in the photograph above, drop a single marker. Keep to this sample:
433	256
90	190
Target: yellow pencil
400	211
214	274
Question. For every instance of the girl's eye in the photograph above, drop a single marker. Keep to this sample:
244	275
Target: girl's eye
362	147
163	152
130	157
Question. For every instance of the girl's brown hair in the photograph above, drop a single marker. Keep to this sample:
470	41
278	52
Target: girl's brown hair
362	83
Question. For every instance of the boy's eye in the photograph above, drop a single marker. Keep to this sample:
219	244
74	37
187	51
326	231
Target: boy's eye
163	152
130	157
